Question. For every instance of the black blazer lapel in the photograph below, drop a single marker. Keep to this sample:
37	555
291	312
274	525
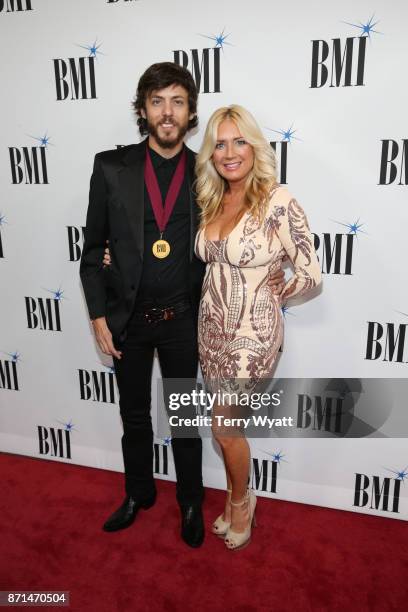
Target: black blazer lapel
193	204
131	191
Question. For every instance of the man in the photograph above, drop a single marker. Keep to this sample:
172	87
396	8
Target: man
141	200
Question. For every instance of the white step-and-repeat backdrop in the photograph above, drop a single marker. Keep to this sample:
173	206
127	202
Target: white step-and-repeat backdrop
326	82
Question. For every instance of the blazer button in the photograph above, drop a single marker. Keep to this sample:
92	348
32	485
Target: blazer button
132	287
115	240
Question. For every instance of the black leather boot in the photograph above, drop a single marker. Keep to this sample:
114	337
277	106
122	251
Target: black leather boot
192	524
125	515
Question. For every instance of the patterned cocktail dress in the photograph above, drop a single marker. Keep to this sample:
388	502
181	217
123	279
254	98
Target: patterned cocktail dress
240	325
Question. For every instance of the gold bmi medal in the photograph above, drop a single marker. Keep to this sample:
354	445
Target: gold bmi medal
161	248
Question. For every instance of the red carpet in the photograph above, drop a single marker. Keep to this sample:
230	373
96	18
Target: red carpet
302	558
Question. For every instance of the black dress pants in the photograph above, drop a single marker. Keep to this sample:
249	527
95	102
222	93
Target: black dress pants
176	344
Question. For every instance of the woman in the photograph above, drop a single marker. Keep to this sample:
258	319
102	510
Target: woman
249	223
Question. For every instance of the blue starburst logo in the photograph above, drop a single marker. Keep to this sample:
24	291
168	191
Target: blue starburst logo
400	474
286	310
15	357
110	368
58	294
43	140
2	220
354	228
167	441
68	426
220	39
287	135
277	457
365	28
93	49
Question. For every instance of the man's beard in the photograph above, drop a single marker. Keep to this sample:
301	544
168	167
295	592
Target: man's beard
167	143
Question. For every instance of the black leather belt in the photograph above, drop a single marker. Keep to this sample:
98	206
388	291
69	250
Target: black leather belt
156	314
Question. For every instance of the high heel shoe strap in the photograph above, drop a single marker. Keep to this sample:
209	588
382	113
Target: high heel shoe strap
246	498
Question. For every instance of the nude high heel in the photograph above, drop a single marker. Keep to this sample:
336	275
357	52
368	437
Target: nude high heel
235	540
219	526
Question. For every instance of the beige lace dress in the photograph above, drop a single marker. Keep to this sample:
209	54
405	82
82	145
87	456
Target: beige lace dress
240	324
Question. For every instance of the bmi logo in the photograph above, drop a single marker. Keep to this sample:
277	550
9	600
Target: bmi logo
341	63
29	164
281	149
379	493
97	386
204	64
55	442
14	6
161	457
265	472
335	251
2	224
320	413
394	162
9	372
76	236
44	313
75	76
387	341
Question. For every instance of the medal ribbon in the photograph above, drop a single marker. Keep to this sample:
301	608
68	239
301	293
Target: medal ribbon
162	213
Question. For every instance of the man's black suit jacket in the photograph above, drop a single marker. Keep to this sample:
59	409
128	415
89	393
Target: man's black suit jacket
116	213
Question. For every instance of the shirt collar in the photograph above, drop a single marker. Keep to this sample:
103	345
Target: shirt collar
159	161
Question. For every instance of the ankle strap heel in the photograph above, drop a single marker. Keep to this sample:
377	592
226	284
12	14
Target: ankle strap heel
243	500
235	540
219	526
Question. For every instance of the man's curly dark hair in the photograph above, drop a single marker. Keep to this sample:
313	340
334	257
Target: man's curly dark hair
159	76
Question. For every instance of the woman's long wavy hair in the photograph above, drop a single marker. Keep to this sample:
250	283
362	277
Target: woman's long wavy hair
210	186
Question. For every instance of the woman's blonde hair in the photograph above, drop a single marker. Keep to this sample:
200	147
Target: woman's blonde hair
210	186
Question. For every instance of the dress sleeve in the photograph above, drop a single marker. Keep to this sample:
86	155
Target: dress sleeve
293	231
